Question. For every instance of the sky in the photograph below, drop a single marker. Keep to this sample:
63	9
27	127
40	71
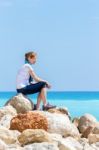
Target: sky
65	35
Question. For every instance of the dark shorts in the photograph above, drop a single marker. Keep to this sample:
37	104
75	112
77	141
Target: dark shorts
32	88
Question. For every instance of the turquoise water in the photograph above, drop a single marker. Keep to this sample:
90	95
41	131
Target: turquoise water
78	103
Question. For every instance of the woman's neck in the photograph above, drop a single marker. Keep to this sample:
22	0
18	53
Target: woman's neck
27	62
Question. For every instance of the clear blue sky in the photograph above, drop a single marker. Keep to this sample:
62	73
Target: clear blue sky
64	33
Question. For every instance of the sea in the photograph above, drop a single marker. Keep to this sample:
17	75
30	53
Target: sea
78	103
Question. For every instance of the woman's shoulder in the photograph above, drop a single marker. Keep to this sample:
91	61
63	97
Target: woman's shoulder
27	65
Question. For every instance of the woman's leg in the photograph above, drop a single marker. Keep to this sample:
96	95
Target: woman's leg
32	88
36	88
40	88
42	96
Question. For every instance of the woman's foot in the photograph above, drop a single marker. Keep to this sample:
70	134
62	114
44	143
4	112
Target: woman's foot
35	107
48	106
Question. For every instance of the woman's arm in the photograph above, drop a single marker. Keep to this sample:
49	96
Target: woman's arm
37	79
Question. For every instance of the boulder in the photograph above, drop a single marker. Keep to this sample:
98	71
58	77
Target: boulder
70	143
95	146
14	147
86	121
76	121
60	124
34	136
88	147
93	138
60	110
3	146
21	103
7	110
41	146
5	121
29	120
9	137
56	138
96	128
87	131
83	141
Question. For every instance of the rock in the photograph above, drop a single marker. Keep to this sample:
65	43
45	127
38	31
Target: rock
56	138
60	124
29	120
41	146
86	121
60	110
96	128
83	141
70	143
6	114
91	129
74	132
95	146
88	147
87	131
14	147
21	103
34	136
76	121
5	121
93	138
3	146
9	137
7	110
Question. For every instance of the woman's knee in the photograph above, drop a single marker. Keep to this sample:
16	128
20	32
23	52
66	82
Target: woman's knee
43	84
21	91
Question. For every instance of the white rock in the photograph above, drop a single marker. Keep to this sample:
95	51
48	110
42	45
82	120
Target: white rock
76	121
21	103
8	136
95	146
91	146
3	146
7	110
14	147
70	143
56	138
41	146
83	141
5	121
60	124
88	147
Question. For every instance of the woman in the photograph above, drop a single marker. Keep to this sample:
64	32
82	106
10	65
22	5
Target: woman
25	85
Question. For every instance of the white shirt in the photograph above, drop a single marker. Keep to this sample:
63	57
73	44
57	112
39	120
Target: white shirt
22	78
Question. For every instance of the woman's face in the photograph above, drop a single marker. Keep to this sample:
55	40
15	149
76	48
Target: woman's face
32	60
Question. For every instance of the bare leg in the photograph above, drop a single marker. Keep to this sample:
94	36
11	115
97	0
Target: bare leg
41	96
38	101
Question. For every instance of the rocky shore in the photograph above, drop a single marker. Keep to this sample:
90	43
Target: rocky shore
21	128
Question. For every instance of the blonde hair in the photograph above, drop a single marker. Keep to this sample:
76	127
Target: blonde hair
30	54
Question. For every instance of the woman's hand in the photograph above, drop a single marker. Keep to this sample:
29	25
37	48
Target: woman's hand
37	79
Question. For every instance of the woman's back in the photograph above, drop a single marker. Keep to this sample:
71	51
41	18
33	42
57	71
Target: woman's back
22	78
